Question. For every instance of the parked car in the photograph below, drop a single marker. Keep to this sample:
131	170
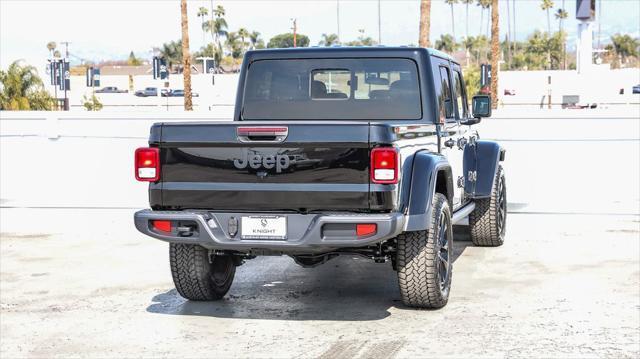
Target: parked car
176	93
149	91
509	92
111	89
636	89
321	165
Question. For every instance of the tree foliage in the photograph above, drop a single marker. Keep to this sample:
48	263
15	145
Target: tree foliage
623	48
91	103
171	52
133	60
22	89
446	43
286	40
329	40
362	40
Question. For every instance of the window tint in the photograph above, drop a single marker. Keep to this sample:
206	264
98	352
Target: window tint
333	89
446	105
461	97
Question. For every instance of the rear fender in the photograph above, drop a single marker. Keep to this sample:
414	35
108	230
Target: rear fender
488	156
424	180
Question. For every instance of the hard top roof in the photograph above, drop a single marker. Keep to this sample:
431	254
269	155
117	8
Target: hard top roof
345	51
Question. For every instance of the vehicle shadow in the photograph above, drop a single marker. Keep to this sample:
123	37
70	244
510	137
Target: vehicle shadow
275	288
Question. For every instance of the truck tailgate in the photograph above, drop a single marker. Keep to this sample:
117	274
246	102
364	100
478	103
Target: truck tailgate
241	166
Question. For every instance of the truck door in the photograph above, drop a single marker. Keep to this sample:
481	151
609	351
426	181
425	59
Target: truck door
449	128
465	135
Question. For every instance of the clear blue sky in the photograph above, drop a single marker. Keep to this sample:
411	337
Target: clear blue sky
101	30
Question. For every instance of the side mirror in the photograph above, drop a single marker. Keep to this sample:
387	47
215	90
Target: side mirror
481	106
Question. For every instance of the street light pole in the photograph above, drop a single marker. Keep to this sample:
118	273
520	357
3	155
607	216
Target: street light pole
379	28
66	48
338	17
295	32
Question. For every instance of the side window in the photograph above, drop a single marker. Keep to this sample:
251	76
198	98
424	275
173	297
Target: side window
446	103
461	96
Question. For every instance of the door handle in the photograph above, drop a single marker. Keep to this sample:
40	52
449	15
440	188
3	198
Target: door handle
462	141
450	143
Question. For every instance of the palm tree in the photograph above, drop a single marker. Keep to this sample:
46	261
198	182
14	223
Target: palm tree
623	46
254	39
51	46
484	4
546	6
22	89
495	52
243	34
219	11
453	27
446	43
562	14
329	40
509	56
202	13
425	22
468	45
171	52
466	5
186	57
218	29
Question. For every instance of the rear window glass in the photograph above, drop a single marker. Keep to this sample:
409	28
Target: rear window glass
333	89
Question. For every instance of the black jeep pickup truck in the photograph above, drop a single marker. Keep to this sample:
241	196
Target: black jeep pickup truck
331	151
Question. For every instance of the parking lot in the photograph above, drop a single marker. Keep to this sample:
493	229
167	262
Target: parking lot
78	280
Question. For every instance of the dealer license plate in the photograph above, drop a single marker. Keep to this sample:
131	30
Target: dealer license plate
264	227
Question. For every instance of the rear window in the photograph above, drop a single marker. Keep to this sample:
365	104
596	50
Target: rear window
333	89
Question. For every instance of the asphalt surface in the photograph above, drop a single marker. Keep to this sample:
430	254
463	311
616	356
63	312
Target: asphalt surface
82	282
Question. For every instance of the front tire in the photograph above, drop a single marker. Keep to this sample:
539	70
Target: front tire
424	259
488	221
198	278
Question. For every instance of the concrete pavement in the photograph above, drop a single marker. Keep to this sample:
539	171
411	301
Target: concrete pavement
82	282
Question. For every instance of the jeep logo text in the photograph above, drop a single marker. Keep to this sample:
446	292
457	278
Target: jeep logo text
255	161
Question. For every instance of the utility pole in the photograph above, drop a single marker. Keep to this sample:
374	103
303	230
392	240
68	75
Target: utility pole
599	19
66	48
379	28
295	31
338	17
64	73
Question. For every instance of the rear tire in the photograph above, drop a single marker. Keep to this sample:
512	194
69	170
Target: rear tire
488	221
424	259
197	278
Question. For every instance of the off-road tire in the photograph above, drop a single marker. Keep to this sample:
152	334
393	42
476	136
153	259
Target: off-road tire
487	222
419	260
197	278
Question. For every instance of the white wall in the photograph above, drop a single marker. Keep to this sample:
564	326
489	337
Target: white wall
601	86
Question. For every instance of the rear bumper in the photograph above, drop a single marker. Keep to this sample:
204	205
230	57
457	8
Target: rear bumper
307	233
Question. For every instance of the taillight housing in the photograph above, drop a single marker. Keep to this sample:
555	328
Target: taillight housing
384	165
147	164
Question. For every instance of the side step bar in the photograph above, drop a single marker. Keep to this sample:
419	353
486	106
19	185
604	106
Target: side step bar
462	213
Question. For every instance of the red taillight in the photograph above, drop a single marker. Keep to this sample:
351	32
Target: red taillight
162	226
147	164
366	229
384	165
